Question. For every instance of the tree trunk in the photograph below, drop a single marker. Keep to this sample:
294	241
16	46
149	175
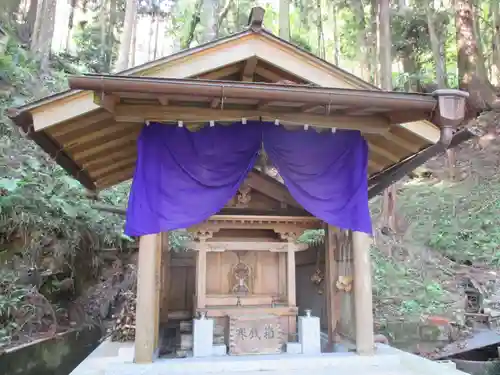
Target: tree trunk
41	45
126	37
223	16
29	25
103	16
481	64
372	43
362	58
284	19
209	15
495	12
389	199
336	37
436	49
157	35
195	20
71	19
133	43
466	42
321	35
35	36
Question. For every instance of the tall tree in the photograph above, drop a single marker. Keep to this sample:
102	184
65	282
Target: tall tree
385	44
495	12
284	19
126	36
43	33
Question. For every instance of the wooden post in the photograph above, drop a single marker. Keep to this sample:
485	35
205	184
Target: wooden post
201	278
147	309
290	272
161	239
330	281
363	308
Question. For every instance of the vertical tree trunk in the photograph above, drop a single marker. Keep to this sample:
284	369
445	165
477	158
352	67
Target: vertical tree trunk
372	43
157	35
466	42
35	36
362	57
481	63
126	37
195	20
209	17
495	12
284	19
436	49
41	45
133	45
223	16
103	17
321	35
71	19
389	199
336	37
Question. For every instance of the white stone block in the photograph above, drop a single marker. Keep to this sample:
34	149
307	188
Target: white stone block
310	334
293	348
203	337
219	350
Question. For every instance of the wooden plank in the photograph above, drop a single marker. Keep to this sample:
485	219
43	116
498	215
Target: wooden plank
142	113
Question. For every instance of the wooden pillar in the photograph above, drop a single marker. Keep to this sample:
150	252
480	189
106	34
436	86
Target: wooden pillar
330	281
363	293
201	278
290	272
148	297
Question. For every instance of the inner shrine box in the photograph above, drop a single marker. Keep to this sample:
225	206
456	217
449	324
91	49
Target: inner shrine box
245	268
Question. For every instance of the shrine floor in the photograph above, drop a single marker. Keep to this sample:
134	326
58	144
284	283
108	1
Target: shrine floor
112	358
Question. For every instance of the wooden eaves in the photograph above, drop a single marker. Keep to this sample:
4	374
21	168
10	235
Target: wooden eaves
127	102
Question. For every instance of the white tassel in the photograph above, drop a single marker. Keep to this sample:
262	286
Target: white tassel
212	123
306	127
244	121
180	124
148	123
277	122
334	130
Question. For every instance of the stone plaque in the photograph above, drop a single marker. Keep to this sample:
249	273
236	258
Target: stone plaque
255	335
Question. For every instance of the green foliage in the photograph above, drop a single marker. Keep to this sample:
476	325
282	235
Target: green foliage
12	302
96	53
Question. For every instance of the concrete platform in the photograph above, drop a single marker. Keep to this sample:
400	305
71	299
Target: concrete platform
107	360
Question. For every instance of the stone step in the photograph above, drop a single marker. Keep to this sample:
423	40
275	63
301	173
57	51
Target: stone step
185	341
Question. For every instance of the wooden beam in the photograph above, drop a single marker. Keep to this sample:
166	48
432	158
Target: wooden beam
383	152
201	278
146	328
106	101
249	69
221	73
290	276
79	123
268	186
115	178
142	113
221	246
163	99
112	168
102	149
331	275
363	305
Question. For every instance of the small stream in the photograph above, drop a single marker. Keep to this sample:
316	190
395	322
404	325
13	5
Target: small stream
54	356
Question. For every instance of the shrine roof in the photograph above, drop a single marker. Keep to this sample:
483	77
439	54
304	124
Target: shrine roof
91	131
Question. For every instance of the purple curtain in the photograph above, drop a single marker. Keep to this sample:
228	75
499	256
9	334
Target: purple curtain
184	177
325	172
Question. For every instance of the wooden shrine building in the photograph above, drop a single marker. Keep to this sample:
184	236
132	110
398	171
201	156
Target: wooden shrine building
244	262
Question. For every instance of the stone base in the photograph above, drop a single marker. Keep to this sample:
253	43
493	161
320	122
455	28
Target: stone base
386	361
219	350
293	348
